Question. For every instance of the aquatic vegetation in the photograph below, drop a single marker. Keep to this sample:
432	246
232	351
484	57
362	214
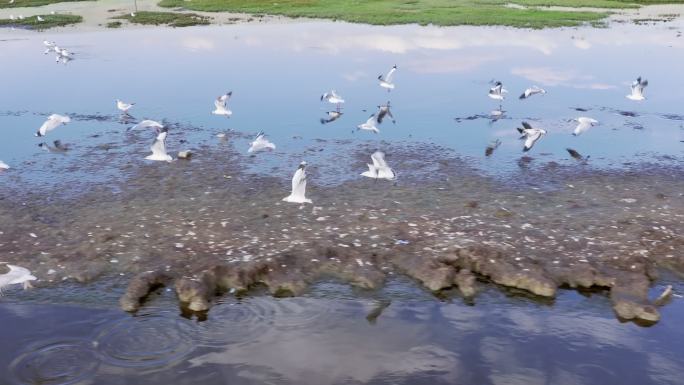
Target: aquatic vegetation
49	21
172	19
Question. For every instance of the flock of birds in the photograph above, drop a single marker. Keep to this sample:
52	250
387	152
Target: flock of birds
377	169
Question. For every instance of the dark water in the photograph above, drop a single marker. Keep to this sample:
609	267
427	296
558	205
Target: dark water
400	335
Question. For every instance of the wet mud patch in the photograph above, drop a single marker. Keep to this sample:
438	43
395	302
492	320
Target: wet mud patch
210	227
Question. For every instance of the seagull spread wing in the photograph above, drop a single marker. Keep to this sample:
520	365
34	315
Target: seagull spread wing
378	159
148	124
158	148
531	138
298	194
390	74
52	122
225	97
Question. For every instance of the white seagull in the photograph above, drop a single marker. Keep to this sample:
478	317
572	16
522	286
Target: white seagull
333	98
123	106
531	135
497	92
16	275
637	88
49	46
148	124
63	55
386	82
261	143
379	169
4	166
584	124
158	148
370	124
40	19
221	105
298	194
534	90
53	121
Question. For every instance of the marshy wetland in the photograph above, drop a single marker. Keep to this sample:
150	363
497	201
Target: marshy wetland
471	267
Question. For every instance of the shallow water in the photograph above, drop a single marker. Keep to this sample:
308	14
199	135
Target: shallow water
278	71
99	213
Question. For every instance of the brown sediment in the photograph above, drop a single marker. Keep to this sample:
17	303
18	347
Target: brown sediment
140	287
217	229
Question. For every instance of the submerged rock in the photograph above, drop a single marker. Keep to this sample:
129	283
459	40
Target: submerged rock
140	287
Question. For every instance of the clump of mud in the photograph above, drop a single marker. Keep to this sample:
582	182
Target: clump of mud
207	227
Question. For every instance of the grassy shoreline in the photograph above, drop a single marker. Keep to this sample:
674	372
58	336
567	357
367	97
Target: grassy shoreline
514	13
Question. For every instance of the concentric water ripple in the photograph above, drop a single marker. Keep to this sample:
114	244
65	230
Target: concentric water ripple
146	341
236	322
56	363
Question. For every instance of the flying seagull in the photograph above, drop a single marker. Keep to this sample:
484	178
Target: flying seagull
123	106
16	275
637	89
497	92
379	169
298	194
531	135
148	124
576	155
583	125
332	116
386	82
4	166
53	121
333	98
221	105
261	143
370	124
385	111
158	148
534	90
493	145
